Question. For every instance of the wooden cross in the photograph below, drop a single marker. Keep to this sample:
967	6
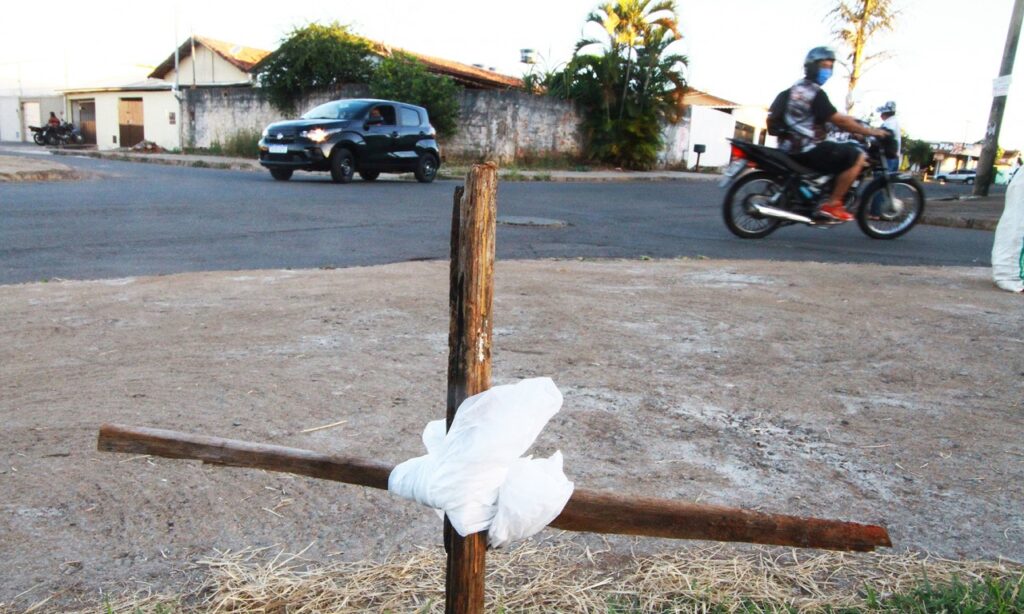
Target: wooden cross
470	337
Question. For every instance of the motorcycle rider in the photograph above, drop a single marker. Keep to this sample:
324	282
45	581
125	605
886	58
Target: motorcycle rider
892	124
808	111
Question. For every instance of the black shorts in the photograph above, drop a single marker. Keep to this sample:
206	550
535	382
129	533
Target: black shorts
829	157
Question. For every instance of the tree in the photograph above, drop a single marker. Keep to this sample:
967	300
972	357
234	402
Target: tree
918	152
856	23
402	77
315	57
627	83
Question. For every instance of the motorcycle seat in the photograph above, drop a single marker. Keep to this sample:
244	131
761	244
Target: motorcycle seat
782	159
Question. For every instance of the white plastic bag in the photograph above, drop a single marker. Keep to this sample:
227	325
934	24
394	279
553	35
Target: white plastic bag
1008	243
474	472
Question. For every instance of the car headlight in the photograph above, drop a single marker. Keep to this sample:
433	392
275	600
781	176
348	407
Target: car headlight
265	132
317	135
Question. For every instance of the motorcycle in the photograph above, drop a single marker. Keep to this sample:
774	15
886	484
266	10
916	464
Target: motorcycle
40	134
63	134
766	189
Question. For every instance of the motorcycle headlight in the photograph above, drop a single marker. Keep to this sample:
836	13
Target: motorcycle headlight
317	135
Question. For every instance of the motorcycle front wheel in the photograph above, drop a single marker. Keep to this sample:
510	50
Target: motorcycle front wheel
887	215
757	188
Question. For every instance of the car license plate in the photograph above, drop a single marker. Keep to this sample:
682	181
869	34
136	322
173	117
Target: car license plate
278	149
730	172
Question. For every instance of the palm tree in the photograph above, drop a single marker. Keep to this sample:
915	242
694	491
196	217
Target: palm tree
628	24
856	22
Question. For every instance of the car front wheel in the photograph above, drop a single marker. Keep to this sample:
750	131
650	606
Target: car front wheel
369	175
969	180
342	166
281	174
426	168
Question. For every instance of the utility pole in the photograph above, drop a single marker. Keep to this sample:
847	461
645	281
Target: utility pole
995	117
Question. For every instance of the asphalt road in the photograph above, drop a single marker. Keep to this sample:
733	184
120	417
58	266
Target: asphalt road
141	219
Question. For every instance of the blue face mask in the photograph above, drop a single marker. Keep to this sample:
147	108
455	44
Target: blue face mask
823	75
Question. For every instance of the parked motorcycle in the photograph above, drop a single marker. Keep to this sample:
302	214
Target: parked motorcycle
39	134
63	134
767	189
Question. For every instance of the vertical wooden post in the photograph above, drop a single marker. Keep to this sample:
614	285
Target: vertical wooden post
471	297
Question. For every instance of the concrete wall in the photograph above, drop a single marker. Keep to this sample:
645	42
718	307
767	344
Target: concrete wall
710	128
507	125
10	122
502	126
214	114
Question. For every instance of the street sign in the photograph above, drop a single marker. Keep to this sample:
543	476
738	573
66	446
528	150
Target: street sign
1001	86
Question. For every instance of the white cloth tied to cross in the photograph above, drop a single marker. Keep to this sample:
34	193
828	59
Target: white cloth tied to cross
475	473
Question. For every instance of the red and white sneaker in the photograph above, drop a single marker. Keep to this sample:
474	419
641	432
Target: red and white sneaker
835	210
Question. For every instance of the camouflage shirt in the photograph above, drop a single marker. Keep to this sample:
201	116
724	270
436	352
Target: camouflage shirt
807	114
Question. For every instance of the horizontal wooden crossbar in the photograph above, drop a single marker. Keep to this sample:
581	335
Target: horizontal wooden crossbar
587	511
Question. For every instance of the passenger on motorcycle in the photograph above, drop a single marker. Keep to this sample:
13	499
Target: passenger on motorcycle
892	124
808	111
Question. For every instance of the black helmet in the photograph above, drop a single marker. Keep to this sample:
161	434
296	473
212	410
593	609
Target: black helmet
814	56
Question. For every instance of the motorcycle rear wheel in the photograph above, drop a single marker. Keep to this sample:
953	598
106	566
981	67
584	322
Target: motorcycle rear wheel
39	138
737	209
893	217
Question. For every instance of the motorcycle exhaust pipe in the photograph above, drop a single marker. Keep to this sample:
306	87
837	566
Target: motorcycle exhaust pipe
782	214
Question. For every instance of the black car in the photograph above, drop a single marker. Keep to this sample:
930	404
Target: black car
353	135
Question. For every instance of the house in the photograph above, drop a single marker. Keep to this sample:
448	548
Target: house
708	122
150	110
21	109
171	109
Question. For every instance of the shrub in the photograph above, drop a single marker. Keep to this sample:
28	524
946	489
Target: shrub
314	58
402	77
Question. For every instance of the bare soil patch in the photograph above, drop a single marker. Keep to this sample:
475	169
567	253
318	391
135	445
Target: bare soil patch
879	394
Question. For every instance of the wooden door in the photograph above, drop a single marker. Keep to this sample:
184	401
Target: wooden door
85	112
129	118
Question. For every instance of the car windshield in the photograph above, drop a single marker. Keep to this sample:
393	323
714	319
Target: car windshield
338	109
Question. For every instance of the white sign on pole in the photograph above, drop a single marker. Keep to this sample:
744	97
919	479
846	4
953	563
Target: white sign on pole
1001	86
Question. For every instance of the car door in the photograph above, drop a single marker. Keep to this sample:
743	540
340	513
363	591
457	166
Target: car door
381	138
411	129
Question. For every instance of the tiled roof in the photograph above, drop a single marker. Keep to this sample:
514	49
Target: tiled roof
243	58
464	74
698	98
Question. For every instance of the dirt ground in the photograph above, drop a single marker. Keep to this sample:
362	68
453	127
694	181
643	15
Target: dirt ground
878	394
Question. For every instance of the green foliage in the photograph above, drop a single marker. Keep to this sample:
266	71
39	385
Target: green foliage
855	23
628	83
917	152
402	77
241	144
988	595
315	57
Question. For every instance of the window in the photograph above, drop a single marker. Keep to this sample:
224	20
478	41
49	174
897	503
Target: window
409	117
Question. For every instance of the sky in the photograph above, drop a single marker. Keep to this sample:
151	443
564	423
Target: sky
940	63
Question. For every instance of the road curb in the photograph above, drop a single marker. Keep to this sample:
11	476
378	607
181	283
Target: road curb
229	164
959	222
47	175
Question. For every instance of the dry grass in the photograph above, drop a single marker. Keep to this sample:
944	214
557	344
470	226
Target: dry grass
563	576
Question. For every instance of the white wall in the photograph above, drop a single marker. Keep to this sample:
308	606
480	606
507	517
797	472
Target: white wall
710	128
10	121
210	69
155	109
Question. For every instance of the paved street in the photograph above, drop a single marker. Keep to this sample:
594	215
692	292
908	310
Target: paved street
144	219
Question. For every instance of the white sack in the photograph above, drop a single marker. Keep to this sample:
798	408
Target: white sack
466	470
1008	244
533	495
